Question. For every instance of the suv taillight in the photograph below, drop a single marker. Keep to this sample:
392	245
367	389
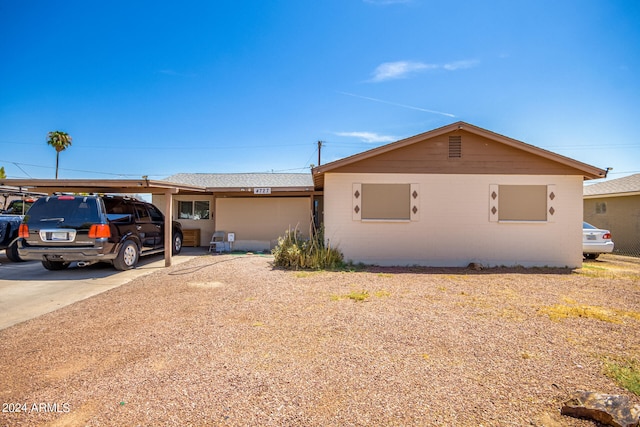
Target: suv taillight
23	231
98	231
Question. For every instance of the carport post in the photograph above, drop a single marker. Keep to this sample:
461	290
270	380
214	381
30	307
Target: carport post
168	222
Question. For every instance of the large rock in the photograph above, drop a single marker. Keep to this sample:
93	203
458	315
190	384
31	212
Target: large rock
608	409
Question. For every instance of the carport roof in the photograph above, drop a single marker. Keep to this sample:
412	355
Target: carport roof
132	186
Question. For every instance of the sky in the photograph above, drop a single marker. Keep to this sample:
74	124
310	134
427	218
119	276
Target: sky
155	88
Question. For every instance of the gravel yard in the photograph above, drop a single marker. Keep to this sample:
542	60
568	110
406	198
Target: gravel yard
231	341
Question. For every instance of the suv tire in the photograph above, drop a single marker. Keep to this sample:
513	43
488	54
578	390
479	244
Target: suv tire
12	252
176	244
127	257
55	265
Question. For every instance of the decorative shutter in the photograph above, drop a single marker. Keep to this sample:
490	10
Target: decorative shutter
415	202
356	196
552	196
494	197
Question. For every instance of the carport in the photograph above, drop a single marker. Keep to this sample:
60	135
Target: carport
120	186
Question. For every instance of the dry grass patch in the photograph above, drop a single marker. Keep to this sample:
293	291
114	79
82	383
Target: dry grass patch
382	293
611	267
604	314
353	295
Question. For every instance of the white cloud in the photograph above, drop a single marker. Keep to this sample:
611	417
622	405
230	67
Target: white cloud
368	136
397	70
460	65
401	69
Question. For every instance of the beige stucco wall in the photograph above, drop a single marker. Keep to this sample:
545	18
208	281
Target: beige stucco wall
206	226
453	227
258	221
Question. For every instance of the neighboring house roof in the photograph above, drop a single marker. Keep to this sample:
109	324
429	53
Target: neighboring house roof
626	186
381	157
244	181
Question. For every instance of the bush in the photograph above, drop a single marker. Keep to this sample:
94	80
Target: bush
295	252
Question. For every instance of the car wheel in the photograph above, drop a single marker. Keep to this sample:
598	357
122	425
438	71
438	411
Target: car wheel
176	246
591	256
55	265
12	252
127	257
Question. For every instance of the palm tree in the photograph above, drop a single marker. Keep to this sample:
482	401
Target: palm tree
59	141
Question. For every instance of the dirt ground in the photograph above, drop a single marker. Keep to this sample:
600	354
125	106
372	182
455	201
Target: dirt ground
231	341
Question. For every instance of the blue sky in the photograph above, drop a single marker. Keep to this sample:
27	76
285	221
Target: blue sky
158	87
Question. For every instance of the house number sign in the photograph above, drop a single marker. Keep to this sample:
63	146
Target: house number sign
262	190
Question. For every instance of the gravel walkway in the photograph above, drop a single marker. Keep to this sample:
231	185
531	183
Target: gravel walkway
231	341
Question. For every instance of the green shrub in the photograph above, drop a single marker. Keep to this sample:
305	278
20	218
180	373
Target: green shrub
296	252
625	372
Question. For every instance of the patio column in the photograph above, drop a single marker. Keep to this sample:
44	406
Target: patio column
168	221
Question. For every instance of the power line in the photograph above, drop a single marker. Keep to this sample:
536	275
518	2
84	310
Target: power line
182	148
17	164
23	171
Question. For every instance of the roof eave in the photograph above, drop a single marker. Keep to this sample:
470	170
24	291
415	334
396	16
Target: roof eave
606	195
247	189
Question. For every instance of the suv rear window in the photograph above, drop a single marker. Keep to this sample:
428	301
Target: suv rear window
67	211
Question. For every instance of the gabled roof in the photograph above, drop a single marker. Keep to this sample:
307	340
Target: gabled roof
238	181
626	186
588	171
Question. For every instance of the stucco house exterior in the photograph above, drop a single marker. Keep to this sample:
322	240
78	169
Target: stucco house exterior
615	205
455	195
447	197
256	207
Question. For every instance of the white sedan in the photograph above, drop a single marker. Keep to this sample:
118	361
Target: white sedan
595	241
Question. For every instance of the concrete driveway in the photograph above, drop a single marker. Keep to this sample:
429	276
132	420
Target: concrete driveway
28	290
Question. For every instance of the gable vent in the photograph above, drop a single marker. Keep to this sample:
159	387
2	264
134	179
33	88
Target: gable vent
455	147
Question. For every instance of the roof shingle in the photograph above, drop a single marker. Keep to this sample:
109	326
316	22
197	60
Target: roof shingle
241	180
627	184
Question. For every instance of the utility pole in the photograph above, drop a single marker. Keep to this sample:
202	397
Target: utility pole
319	151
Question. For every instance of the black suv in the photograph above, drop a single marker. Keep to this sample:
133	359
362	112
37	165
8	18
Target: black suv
61	229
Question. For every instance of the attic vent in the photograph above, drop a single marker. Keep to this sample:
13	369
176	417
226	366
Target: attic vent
455	147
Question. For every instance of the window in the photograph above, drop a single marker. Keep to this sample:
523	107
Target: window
196	209
156	215
601	207
142	213
385	202
521	202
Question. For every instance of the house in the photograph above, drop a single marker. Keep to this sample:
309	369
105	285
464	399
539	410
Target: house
615	205
455	195
447	197
256	207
